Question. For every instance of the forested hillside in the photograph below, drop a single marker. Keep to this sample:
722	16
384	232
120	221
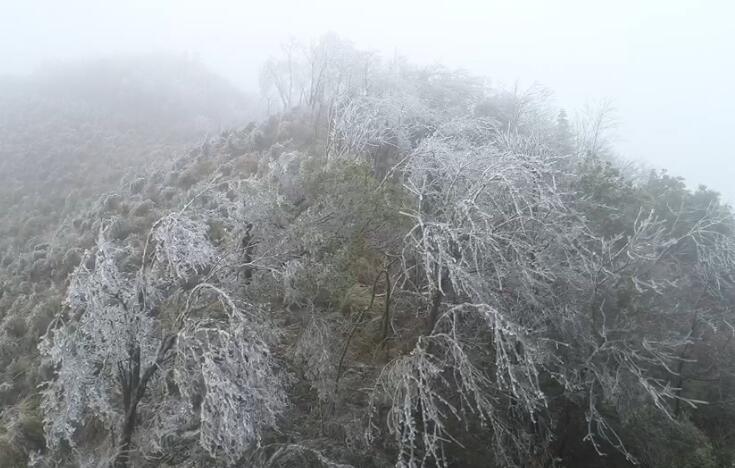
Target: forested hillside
400	267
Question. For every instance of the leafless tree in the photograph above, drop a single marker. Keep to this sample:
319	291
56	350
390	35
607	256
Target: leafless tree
171	333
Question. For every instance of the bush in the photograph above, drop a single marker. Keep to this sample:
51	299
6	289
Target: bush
42	315
29	429
137	185
111	202
71	260
143	208
660	442
10	455
15	326
120	229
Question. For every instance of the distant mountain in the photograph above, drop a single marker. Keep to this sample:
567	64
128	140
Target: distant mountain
147	93
72	128
153	99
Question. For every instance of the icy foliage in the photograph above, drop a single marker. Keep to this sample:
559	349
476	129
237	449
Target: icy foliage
284	171
113	347
494	230
100	330
488	218
438	380
182	245
317	352
293	454
228	359
369	123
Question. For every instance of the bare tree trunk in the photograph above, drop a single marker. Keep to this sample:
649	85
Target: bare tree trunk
248	249
123	456
436	301
130	381
133	388
679	385
386	312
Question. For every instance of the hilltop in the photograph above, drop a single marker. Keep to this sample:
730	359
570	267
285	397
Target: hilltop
400	267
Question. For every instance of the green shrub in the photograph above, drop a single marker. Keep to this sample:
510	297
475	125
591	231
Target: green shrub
143	208
120	229
10	455
660	442
15	326
71	260
29	428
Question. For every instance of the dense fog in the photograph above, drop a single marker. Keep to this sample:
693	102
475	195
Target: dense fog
346	235
666	66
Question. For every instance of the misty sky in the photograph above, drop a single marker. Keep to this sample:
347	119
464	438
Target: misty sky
668	66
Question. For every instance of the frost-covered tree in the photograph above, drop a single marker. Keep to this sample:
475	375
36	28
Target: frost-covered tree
315	75
485	205
167	349
498	237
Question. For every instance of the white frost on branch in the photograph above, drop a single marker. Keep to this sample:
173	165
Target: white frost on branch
182	245
114	347
103	324
439	381
228	357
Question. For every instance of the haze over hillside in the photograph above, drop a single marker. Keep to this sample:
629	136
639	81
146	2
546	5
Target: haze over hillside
667	66
399	265
70	131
